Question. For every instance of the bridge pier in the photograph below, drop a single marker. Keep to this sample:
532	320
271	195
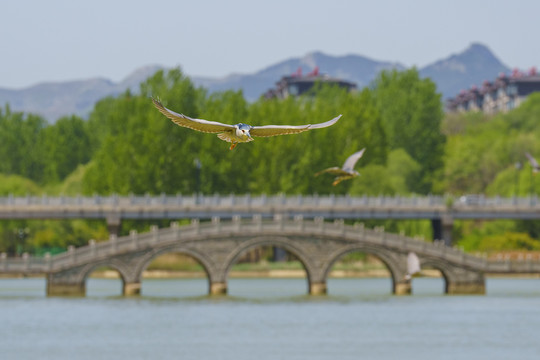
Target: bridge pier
462	281
442	229
131	289
65	289
114	224
402	287
218	288
466	288
317	288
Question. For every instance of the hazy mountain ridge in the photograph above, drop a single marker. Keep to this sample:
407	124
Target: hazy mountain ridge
458	71
355	68
56	99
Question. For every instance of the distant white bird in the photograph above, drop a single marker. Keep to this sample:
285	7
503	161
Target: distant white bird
238	133
533	162
413	265
346	171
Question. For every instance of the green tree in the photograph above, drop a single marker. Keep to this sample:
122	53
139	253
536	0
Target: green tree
17	185
142	152
403	171
66	145
151	154
481	156
411	112
19	144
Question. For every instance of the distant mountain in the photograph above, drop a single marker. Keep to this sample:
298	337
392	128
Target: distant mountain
354	68
54	100
460	71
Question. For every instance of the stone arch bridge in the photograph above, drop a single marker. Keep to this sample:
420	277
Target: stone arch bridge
217	244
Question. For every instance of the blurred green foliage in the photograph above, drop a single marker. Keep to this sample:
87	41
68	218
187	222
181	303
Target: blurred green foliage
128	147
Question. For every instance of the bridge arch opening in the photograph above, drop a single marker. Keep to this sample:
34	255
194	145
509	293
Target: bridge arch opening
174	274
359	272
430	281
104	281
267	268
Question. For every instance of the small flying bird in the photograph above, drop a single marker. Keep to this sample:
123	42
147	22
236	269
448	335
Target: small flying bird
238	133
347	171
533	162
413	266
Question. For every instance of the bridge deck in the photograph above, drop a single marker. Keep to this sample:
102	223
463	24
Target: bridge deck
206	207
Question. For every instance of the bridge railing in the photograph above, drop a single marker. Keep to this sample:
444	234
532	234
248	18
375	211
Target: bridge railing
222	200
468	201
265	200
436	249
116	245
25	264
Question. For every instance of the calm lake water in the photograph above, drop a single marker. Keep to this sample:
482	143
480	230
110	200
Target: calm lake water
270	319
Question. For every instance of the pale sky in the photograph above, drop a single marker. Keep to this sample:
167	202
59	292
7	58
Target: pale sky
59	40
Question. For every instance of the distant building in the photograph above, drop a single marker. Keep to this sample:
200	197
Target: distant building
501	95
297	84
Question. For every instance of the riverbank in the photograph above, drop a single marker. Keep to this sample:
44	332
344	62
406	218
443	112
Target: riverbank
276	273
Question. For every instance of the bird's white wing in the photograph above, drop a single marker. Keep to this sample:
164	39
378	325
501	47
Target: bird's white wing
532	160
325	124
413	264
195	124
351	160
273	130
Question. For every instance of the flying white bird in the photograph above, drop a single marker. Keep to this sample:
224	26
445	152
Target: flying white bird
238	133
413	265
533	162
346	171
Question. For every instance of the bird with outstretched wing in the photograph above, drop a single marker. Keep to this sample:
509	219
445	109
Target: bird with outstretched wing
345	172
238	133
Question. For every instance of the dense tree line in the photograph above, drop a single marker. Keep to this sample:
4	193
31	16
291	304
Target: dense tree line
43	153
486	154
126	146
139	151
